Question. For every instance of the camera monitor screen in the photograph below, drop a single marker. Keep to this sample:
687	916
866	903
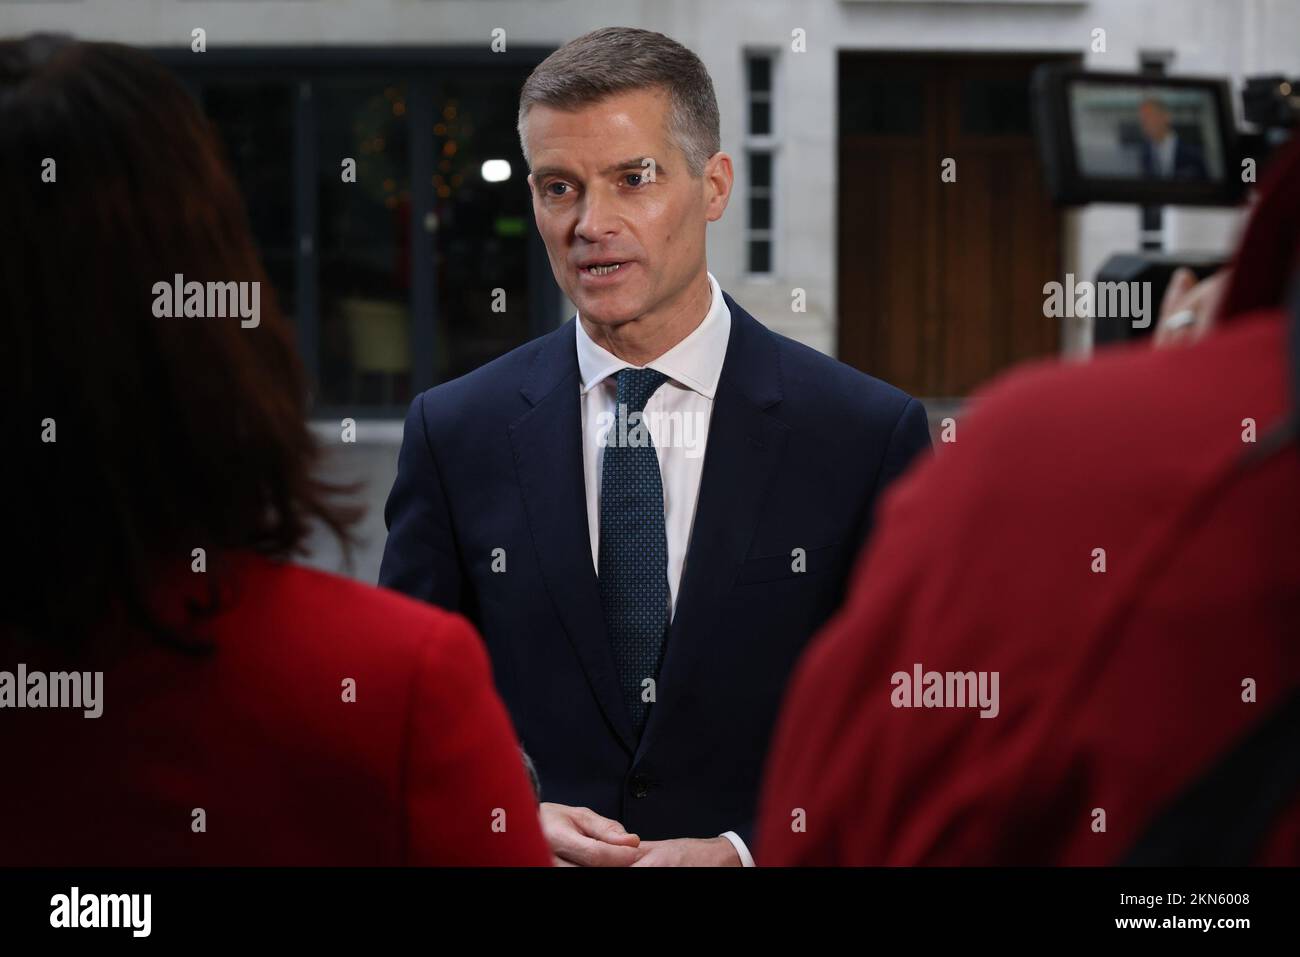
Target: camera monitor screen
1135	138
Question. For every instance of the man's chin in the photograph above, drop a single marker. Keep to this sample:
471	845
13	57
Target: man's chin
607	311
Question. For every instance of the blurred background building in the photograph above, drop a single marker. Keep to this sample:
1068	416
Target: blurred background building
837	113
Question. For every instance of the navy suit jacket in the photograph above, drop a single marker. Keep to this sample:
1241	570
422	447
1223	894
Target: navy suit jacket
1189	162
799	448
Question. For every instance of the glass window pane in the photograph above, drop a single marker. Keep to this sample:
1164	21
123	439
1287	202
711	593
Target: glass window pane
364	243
255	121
760	212
995	106
760	170
881	99
483	219
760	117
760	74
479	222
760	255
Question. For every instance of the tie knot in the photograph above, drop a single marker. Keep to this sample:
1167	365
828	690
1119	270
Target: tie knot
635	386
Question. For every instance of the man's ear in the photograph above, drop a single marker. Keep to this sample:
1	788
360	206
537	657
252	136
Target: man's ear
721	176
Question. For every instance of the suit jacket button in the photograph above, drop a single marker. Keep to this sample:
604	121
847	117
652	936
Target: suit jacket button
640	785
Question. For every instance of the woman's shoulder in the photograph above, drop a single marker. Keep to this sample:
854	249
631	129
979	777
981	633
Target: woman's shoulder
292	606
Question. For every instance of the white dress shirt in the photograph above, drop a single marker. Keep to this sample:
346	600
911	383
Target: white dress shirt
1166	151
677	418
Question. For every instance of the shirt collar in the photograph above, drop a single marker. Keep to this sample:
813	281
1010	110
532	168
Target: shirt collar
695	362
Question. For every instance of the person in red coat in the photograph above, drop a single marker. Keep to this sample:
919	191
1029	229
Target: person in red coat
173	689
1073	619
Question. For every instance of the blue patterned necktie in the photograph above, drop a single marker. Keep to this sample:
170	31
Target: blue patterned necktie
634	543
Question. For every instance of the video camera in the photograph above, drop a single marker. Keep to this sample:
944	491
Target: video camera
1154	140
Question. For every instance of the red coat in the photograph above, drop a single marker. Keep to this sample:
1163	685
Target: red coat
258	735
1115	688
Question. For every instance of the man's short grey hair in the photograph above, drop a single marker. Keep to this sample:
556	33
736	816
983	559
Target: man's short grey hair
615	60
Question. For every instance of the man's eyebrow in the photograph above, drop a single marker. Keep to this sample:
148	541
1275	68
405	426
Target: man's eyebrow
635	162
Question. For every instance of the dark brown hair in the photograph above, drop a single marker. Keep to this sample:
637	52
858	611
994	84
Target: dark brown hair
615	60
171	433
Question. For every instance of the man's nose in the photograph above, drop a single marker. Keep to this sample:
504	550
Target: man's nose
599	215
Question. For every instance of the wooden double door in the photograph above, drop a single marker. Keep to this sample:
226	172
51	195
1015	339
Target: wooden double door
940	283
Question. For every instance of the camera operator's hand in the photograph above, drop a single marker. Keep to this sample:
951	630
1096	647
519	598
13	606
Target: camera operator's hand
1188	309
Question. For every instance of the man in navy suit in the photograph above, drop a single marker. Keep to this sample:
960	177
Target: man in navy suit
1164	154
649	511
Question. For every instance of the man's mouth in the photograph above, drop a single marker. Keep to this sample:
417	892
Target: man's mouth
602	269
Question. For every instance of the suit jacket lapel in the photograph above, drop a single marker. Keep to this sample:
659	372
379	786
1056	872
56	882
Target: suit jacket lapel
744	444
548	458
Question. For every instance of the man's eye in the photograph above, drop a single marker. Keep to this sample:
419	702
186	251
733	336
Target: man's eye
639	176
551	186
